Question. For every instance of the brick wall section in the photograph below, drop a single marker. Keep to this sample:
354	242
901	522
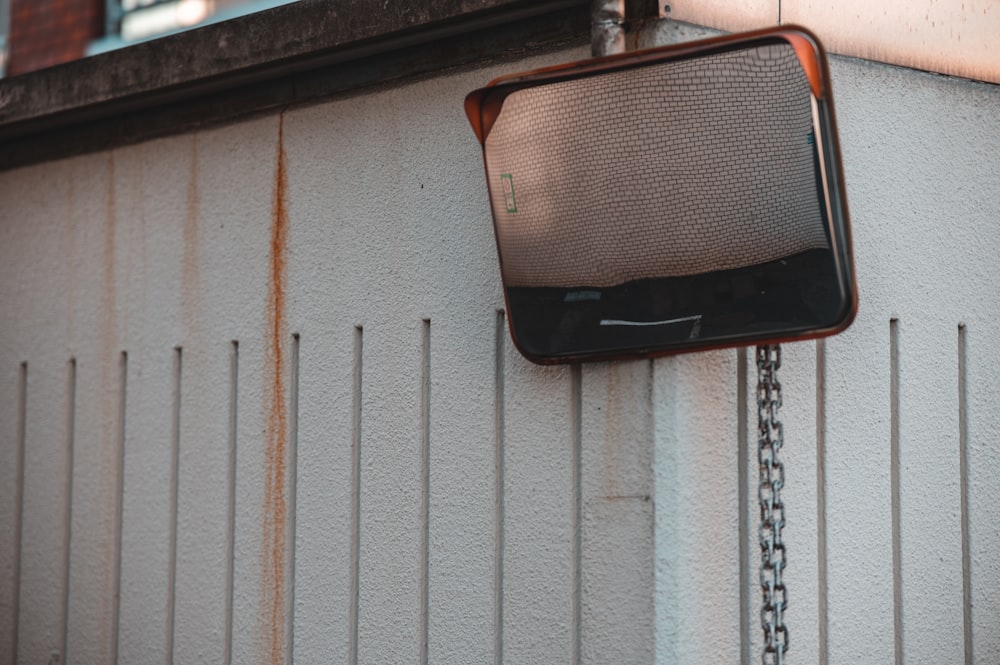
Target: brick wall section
44	33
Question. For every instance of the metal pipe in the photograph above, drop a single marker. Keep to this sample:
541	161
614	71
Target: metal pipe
607	27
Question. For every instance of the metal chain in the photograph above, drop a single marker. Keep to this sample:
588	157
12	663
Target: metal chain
772	511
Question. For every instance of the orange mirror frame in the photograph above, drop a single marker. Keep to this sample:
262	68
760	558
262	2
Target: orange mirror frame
669	200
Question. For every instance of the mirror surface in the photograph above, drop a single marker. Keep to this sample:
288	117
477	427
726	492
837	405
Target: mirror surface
668	204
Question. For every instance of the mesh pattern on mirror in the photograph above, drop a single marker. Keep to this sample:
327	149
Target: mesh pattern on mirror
716	154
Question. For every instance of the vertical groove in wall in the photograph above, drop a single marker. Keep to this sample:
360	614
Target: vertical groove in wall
22	435
119	507
175	450
576	433
897	572
963	468
293	493
68	506
425	481
743	510
821	566
354	591
498	438
234	370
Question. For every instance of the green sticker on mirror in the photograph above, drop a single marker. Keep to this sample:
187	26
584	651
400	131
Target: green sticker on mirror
508	192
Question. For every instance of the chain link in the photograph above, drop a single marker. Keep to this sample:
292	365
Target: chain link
772	511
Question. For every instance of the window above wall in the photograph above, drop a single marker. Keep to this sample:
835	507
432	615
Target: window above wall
4	30
259	61
132	21
37	34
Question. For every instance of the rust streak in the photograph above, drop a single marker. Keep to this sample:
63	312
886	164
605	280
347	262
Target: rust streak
108	450
273	574
190	273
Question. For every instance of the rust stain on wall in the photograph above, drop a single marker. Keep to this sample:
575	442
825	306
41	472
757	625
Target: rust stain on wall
109	392
190	268
272	608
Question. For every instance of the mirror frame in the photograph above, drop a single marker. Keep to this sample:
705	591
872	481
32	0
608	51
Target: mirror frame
483	106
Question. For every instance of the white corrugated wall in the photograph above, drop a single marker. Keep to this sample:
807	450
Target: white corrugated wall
255	381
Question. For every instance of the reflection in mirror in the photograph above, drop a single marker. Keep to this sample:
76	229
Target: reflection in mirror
666	206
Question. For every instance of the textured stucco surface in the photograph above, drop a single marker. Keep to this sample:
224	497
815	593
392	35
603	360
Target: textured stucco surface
635	558
950	36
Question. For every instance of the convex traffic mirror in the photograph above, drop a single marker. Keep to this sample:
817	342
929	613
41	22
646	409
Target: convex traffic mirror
669	200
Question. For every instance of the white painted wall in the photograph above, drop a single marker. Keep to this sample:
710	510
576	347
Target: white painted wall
551	514
950	36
